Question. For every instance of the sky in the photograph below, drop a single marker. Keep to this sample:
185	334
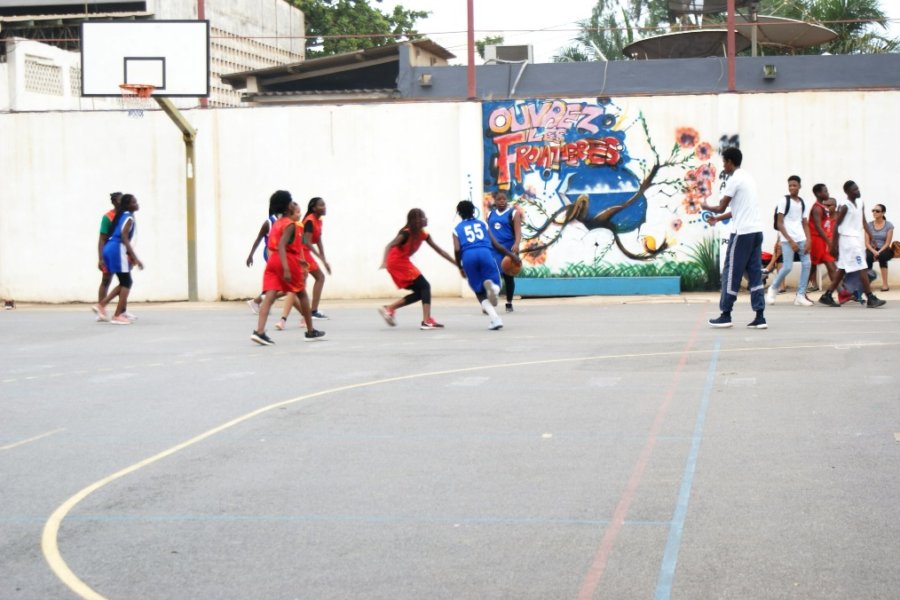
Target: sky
548	25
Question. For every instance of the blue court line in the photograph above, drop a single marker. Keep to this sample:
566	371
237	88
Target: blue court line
670	556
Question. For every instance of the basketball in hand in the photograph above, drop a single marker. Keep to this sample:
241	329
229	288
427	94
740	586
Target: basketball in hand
509	266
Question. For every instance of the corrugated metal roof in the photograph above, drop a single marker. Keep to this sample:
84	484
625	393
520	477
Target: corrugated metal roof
239	80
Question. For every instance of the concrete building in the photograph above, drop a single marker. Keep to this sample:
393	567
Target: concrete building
39	53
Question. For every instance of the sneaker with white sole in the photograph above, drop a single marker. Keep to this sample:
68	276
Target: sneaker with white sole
262	339
770	295
129	316
388	315
758	323
430	324
491	292
281	324
317	315
254	306
802	301
313	336
120	320
101	313
496	324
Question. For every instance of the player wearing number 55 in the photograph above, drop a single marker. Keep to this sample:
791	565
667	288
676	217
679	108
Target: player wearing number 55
472	244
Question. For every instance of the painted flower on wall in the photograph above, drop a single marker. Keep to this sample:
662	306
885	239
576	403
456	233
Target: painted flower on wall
687	137
691	204
703	151
676	224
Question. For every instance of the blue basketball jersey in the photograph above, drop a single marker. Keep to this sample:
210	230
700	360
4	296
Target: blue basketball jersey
502	226
472	233
475	251
272	219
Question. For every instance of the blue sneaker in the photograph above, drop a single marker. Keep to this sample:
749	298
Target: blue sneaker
721	321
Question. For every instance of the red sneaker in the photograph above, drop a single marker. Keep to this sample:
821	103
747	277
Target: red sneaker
388	315
430	324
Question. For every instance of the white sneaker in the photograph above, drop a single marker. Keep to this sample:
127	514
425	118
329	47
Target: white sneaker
802	301
254	306
770	295
129	316
491	293
496	324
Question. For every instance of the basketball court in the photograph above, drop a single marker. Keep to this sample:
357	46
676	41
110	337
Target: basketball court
592	448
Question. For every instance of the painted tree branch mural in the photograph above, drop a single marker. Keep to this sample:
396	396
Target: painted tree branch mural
569	167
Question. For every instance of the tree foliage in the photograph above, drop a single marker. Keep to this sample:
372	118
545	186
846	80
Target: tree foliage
356	24
861	26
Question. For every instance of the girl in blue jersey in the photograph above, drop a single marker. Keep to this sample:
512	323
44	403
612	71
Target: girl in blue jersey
473	245
506	227
119	256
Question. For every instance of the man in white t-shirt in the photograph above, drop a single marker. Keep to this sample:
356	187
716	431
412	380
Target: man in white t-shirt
848	244
791	216
745	245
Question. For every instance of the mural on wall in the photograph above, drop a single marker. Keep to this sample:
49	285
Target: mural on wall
598	198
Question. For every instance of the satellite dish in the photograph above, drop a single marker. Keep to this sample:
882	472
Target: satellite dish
696	43
784	33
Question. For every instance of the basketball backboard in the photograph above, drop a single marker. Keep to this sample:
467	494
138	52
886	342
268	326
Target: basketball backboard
172	56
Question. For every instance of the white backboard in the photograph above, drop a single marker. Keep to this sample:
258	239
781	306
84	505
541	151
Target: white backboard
173	56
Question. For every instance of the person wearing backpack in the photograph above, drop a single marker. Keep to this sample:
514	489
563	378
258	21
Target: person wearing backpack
793	226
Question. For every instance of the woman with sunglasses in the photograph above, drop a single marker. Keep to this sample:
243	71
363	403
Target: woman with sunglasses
880	233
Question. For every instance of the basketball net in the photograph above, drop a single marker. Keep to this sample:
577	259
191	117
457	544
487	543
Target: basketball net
136	97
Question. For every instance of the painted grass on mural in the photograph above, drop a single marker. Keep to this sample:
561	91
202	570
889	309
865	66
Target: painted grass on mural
700	273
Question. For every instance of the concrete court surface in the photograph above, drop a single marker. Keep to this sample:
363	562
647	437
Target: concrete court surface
594	448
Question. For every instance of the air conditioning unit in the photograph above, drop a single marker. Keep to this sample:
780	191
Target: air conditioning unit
501	54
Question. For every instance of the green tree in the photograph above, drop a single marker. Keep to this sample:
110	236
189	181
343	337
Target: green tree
614	24
490	40
336	26
861	26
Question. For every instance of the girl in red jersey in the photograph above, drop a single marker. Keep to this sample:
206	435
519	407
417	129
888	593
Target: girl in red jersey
405	274
284	270
312	242
311	227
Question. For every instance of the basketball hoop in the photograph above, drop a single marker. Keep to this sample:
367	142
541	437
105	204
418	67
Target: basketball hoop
136	97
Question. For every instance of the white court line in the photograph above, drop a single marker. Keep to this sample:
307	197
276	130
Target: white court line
31	439
50	533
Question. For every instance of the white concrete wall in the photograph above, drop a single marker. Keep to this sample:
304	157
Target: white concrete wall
371	163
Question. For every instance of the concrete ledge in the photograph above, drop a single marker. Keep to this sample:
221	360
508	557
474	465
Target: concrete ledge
596	286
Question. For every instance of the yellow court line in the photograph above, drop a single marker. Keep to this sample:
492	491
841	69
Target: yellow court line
50	534
31	439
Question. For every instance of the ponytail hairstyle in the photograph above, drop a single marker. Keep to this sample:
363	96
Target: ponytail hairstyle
312	205
466	209
413	223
